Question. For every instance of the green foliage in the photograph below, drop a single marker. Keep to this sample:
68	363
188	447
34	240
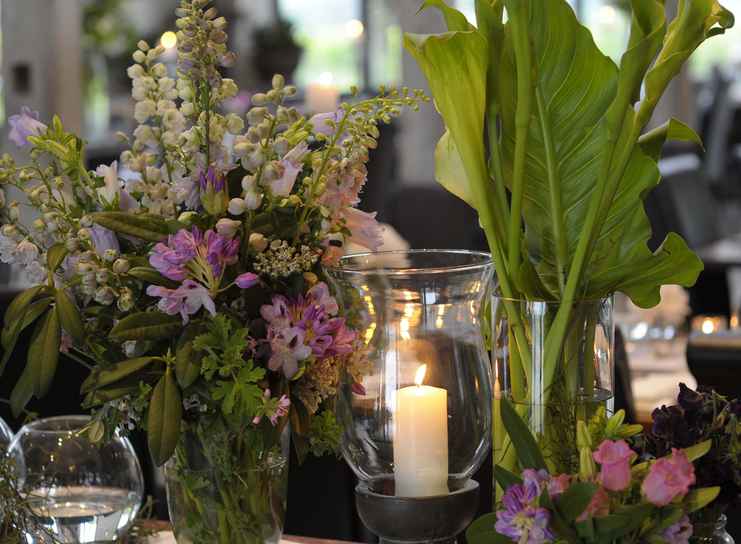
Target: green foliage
325	434
151	228
164	418
146	326
528	452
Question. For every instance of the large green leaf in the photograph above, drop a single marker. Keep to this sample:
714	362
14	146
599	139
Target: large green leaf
164	418
150	275
528	452
22	392
188	359
144	226
103	377
69	315
43	352
482	531
146	326
20	314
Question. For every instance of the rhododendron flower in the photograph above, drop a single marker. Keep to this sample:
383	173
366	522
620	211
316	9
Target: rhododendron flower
669	478
23	125
522	519
322	334
615	458
679	533
185	300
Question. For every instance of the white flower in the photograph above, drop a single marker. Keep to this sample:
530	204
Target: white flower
135	71
173	120
112	186
139	56
166	83
160	70
237	206
144	134
227	227
27	252
153	174
35	273
234	123
170	138
7	248
187	108
144	110
163	106
229	89
253	200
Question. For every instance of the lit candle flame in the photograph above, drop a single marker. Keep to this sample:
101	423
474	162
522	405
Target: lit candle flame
419	377
708	327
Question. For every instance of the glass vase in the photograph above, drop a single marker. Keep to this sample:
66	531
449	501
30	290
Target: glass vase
227	487
80	490
6	435
417	423
555	365
712	532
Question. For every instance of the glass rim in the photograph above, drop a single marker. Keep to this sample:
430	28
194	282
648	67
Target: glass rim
37	426
554	302
280	462
485	261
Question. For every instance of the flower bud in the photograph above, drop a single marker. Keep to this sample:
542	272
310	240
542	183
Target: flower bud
39	224
125	300
259	99
279	82
311	278
105	296
237	206
257	242
234	123
14	213
187	217
252	200
2	198
139	57
10	231
84	268
214	192
121	266
227	227
102	276
110	255
84	234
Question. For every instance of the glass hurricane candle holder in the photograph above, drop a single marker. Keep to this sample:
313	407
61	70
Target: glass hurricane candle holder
6	435
417	424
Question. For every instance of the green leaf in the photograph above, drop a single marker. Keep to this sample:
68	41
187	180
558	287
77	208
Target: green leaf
623	521
698	499
698	450
151	228
653	141
150	275
102	377
146	326
187	359
450	171
22	392
164	418
482	531
574	501
55	255
12	330
20	303
69	315
453	18
527	449
43	352
505	478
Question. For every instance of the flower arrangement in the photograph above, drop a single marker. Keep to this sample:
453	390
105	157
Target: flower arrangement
188	277
615	497
700	416
553	153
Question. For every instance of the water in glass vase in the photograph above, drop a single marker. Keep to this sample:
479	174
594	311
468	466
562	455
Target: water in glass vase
554	426
83	514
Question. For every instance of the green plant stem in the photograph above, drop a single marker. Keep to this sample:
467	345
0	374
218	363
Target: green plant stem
518	14
554	190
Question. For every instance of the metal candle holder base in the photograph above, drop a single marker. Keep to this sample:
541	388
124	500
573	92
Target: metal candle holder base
418	519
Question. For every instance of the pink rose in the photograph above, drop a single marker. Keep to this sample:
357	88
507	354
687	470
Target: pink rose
598	507
669	478
615	458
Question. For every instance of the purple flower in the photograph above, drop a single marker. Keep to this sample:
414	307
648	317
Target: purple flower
689	400
522	519
287	350
322	123
103	239
679	533
214	194
364	229
24	125
247	280
185	300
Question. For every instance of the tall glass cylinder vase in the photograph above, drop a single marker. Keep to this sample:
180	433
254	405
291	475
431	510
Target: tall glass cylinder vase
555	365
227	487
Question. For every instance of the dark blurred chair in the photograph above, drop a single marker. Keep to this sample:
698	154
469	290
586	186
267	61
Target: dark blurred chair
683	203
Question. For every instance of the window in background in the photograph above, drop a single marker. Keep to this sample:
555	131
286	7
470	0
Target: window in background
331	33
384	42
609	23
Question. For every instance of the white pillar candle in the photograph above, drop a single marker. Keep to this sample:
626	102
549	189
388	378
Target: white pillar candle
322	96
421	440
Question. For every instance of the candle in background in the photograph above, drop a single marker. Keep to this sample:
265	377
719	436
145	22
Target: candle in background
709	324
322	96
421	440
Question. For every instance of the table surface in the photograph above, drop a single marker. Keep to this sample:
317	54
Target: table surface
165	536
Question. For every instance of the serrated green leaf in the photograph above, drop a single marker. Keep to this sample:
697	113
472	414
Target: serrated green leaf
55	255
146	326
527	449
69	316
164	418
151	228
150	275
103	377
43	352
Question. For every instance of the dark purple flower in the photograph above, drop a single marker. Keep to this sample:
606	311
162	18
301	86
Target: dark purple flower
23	125
689	400
522	519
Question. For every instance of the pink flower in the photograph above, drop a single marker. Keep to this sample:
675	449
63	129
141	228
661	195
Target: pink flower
24	125
66	342
185	300
365	230
284	184
274	410
247	280
669	478
558	484
598	507
282	410
615	458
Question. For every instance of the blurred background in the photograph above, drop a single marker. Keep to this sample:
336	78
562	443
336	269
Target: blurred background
70	57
